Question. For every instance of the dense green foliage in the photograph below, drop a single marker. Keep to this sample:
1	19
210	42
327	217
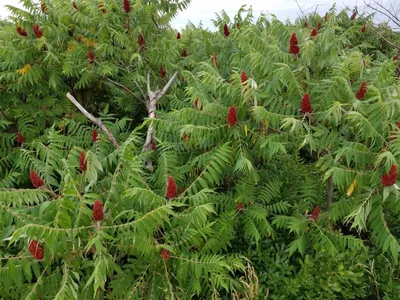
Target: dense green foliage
251	167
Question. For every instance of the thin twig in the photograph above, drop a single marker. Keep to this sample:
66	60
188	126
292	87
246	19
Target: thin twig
95	120
381	12
389	12
301	10
53	195
316	8
382	37
125	88
140	89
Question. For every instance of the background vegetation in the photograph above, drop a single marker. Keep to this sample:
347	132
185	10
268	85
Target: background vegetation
258	161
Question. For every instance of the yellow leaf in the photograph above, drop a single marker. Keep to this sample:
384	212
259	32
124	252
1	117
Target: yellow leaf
71	47
245	129
61	125
306	213
86	41
351	188
25	69
266	124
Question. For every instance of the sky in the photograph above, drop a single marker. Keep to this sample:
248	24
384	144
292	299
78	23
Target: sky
204	10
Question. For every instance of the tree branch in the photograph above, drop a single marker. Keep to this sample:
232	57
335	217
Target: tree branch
381	12
385	39
301	10
95	120
393	17
151	105
125	88
139	88
148	83
167	86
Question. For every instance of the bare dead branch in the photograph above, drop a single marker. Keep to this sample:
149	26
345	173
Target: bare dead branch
385	13
394	17
151	105
148	83
301	9
167	86
316	8
383	38
95	120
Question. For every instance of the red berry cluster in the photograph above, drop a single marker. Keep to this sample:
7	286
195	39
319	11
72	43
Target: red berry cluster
364	28
21	31
232	116
305	24
43	7
226	30
178	36
315	213
20	138
82	162
91	56
127	6
98	210
101	7
196	103
162	72
390	178
362	91
184	53
37	31
94	135
240	206
165	254
326	17
319	26
294	44
314	32
353	16
306	104
141	41
74	5
36	250
172	190
35	179
243	77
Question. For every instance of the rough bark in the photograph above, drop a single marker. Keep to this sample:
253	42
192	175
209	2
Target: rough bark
151	105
